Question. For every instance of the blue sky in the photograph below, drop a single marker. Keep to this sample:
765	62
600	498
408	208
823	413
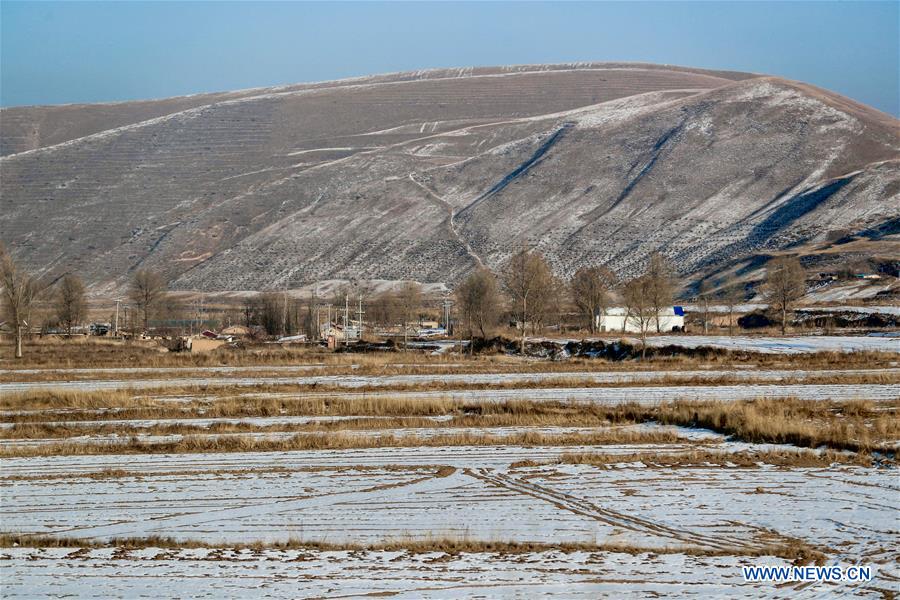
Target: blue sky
61	52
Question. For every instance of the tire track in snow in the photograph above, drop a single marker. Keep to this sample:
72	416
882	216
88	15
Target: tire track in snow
180	523
610	517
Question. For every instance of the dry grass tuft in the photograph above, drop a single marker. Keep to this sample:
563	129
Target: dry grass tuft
858	426
794	550
715	459
194	444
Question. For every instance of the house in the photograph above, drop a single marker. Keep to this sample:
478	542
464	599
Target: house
616	319
203	344
340	333
292	339
237	331
431	332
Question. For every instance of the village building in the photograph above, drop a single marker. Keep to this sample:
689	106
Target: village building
202	344
237	331
617	319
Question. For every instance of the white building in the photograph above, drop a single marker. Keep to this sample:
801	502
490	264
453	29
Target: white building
616	319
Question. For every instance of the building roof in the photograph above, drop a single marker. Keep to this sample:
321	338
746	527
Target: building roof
621	311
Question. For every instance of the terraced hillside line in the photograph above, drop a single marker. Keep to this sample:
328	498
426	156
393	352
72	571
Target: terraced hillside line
451	221
333	146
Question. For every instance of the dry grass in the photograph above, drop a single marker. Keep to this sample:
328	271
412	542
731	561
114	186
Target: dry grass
793	550
98	353
858	426
150	403
34	431
120	406
361	413
717	459
342	441
433	470
568	376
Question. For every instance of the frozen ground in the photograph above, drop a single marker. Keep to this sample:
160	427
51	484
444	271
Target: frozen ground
367	381
362	434
647	394
781	345
745	308
851	510
867	310
674	531
54	572
372	496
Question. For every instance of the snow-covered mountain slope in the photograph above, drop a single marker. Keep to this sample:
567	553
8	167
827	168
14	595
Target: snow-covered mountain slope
427	175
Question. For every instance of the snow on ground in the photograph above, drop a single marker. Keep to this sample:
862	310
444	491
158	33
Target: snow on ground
847	512
418	432
360	381
697	309
780	345
254	421
866	310
643	394
159	370
853	291
50	572
847	509
646	395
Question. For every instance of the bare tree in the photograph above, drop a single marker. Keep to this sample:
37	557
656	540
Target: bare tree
527	279
545	298
704	292
785	284
20	291
640	306
270	309
409	301
248	313
590	288
70	303
731	297
478	302
383	309
147	290
662	285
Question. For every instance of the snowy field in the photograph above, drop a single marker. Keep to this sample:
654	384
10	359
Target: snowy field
103	574
715	519
782	345
86	383
649	510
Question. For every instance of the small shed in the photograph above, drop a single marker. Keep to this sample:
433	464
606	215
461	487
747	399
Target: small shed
202	344
617	319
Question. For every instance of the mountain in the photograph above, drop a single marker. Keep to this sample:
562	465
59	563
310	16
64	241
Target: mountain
426	175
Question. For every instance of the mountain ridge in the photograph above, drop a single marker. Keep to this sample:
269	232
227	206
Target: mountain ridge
429	177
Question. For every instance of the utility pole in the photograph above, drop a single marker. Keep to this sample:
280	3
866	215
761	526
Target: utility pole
116	326
316	302
447	304
346	318
284	310
359	320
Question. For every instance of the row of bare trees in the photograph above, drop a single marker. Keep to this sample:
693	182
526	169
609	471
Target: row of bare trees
533	291
528	283
67	297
